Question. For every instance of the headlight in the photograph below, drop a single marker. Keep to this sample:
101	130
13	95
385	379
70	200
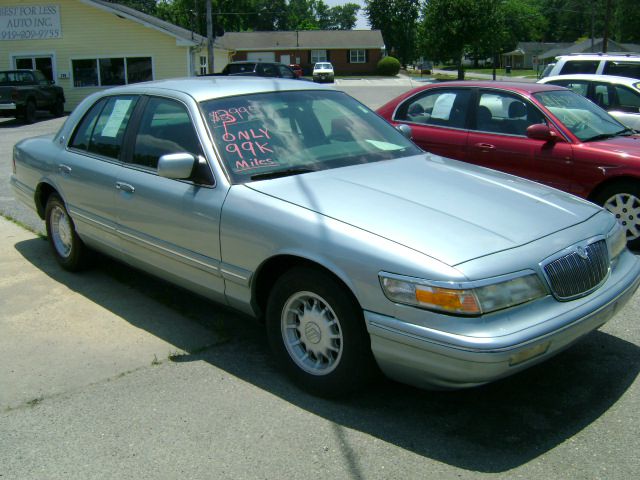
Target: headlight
616	240
472	298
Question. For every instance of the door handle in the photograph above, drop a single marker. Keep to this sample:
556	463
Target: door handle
485	146
125	187
64	169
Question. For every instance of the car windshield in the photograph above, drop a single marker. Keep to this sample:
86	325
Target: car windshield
283	133
584	118
323	66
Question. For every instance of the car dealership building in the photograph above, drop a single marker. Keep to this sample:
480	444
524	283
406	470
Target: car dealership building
87	45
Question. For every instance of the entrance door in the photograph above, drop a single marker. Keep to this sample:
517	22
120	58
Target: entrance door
42	63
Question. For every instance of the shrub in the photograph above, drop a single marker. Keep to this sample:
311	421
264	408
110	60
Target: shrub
388	66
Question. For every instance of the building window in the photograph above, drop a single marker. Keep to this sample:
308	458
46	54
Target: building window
319	56
203	64
111	71
357	56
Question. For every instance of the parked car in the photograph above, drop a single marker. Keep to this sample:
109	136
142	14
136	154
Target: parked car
24	92
541	132
620	96
297	204
622	65
260	69
323	72
297	69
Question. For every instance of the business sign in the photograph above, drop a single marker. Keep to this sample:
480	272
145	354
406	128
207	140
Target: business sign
30	22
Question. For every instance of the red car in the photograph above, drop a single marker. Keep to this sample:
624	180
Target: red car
297	69
541	132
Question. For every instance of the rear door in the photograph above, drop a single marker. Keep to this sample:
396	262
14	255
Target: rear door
438	120
88	168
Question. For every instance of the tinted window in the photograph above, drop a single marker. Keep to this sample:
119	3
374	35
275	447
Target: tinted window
232	68
603	95
580	66
578	86
442	107
285	72
165	128
622	69
628	100
108	133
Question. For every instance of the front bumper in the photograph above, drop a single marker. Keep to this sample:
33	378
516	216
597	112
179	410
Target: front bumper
8	109
430	358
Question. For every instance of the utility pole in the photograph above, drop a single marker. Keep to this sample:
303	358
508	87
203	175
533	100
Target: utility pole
607	19
209	38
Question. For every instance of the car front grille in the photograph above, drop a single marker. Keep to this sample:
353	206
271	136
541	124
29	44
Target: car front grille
578	272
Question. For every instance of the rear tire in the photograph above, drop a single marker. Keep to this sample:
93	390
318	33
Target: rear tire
30	112
69	251
623	200
317	333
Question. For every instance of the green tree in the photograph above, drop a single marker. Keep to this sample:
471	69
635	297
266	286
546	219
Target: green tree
398	22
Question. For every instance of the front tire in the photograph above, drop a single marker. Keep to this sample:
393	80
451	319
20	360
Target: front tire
317	333
57	110
623	200
68	249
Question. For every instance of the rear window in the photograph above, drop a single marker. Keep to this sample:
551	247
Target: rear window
580	66
622	69
240	68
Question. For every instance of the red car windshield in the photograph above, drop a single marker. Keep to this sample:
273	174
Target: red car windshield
584	118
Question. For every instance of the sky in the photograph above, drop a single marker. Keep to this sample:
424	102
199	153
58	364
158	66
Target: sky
362	20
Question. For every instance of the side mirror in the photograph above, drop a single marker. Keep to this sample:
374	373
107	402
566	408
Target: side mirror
405	130
176	165
540	131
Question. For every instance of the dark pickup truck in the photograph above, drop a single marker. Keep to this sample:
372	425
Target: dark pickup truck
24	92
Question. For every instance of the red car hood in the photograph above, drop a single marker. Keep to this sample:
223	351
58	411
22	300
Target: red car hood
619	145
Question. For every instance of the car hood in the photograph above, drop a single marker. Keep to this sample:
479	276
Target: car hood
449	210
621	145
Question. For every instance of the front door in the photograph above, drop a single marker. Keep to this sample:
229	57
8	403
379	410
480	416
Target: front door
170	225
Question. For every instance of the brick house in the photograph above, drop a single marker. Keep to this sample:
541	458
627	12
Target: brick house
350	51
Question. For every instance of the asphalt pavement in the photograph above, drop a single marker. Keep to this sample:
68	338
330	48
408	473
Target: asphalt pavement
112	374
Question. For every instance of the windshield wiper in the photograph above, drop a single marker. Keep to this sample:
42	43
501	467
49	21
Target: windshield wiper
627	131
600	136
603	136
281	173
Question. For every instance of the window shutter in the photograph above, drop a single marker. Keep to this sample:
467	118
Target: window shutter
348	56
366	56
328	55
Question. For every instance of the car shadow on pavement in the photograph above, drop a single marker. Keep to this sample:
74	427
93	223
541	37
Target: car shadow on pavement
490	429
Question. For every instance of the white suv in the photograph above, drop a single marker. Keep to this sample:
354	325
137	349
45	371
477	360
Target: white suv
622	65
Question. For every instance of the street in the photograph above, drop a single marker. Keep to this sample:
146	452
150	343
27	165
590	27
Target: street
113	374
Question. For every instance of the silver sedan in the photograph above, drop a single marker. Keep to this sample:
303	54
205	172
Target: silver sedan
298	205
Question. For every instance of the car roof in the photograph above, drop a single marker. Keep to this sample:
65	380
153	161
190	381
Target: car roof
602	56
206	88
520	87
594	78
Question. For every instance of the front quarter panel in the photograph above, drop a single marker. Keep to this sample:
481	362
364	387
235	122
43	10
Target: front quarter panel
257	227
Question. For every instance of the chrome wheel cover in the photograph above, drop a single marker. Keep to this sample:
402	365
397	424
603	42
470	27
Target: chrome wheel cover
626	208
311	333
61	231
